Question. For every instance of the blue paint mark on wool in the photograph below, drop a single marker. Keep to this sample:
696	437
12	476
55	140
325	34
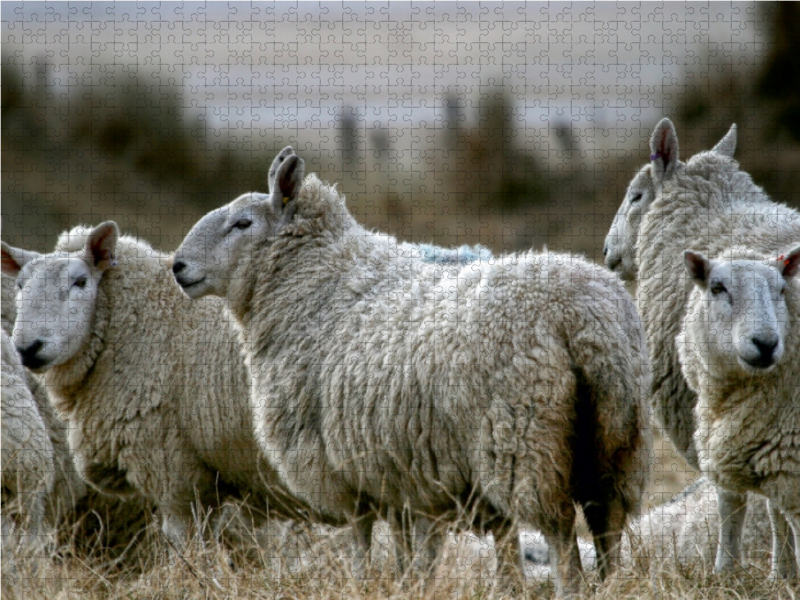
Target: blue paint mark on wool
463	255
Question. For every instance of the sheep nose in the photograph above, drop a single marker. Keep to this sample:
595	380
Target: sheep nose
178	266
766	348
613	263
28	355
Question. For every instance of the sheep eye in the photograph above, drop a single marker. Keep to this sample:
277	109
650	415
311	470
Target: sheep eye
783	291
80	282
636	198
242	224
718	288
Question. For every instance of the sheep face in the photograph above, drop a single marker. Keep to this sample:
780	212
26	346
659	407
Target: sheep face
210	253
56	296
620	245
737	320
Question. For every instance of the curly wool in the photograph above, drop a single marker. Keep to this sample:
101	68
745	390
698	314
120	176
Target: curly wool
157	400
382	378
706	207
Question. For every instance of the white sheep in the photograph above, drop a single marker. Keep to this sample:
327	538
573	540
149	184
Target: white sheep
83	520
27	457
687	527
152	386
703	204
740	352
382	382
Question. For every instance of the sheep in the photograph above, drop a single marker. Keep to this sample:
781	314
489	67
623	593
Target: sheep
82	519
703	203
741	355
27	454
153	387
687	527
384	383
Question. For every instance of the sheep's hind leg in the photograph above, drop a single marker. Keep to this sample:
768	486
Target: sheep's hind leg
565	560
732	507
606	522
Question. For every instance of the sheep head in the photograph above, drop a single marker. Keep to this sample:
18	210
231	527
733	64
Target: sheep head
620	244
737	318
211	252
56	295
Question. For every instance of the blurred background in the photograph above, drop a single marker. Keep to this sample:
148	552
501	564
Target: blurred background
512	125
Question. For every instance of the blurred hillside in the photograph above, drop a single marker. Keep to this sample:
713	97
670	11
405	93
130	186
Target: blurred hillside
125	150
117	143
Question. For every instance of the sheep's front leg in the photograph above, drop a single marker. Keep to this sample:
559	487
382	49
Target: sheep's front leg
783	560
175	525
362	529
732	507
794	521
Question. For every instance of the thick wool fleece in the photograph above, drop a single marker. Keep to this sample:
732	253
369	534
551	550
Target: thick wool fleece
383	379
707	207
748	426
157	400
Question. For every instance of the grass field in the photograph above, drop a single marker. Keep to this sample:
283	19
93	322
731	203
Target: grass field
466	570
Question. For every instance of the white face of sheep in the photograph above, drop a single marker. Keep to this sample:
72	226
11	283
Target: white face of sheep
211	252
741	321
56	295
620	244
619	249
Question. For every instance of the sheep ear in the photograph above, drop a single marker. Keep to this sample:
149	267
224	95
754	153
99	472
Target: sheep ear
664	150
790	263
288	180
273	169
16	258
101	247
727	145
698	267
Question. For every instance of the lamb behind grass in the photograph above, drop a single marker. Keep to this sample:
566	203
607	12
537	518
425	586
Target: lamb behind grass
686	528
382	382
153	387
740	351
704	204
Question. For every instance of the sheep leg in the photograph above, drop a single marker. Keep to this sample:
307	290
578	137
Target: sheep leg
506	543
732	507
565	561
606	521
362	529
782	555
403	541
794	521
175	526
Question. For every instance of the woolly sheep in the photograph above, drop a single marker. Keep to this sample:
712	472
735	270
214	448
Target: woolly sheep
84	520
741	356
382	382
703	205
153	386
27	455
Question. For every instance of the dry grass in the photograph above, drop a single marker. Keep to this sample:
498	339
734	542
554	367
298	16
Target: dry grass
204	571
466	570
